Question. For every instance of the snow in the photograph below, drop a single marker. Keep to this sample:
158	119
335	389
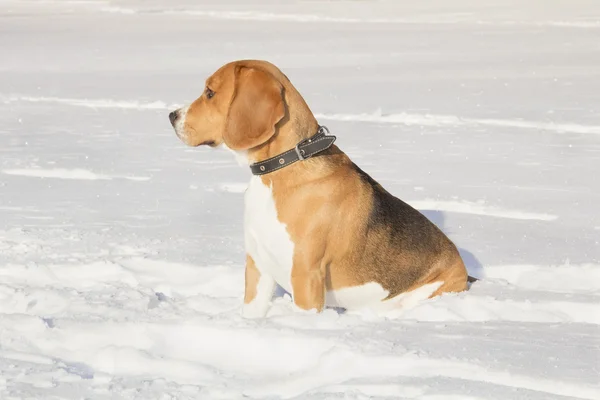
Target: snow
121	250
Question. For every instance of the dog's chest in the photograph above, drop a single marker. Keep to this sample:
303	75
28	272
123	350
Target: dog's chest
267	239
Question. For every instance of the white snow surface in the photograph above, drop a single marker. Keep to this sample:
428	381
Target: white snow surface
121	249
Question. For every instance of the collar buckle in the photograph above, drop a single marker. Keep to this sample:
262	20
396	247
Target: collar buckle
300	152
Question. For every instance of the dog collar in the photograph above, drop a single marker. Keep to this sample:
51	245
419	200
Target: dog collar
303	150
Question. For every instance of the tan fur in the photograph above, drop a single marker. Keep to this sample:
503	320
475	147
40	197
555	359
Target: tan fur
256	107
338	218
454	278
252	276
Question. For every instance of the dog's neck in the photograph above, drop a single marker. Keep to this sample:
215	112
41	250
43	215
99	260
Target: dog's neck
299	123
286	137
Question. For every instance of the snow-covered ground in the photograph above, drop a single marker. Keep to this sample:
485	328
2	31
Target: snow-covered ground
121	252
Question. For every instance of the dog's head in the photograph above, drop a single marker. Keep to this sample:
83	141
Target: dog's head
240	107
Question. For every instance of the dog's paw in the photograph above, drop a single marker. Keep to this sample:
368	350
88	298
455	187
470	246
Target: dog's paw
254	310
299	310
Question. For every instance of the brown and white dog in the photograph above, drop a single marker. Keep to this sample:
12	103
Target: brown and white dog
321	228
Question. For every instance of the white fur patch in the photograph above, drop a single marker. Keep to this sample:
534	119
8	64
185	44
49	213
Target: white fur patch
370	295
356	296
410	299
180	123
241	156
267	239
395	306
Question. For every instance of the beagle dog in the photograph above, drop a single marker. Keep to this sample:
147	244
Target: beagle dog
314	222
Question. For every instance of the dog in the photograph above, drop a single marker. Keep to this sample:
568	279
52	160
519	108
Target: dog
314	222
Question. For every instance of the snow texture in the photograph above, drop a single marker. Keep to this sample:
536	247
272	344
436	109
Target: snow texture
121	250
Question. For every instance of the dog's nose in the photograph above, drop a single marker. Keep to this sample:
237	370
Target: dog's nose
173	116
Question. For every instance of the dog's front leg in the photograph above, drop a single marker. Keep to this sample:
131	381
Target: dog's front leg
308	283
258	293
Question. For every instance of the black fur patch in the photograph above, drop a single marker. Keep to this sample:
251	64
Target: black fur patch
409	234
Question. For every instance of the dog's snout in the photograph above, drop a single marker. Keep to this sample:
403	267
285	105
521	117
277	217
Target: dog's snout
173	115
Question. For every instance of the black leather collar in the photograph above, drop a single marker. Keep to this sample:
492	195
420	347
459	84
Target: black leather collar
303	150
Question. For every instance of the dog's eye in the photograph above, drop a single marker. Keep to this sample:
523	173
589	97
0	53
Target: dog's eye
209	93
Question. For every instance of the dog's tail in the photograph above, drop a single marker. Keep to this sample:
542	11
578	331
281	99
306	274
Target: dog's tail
471	279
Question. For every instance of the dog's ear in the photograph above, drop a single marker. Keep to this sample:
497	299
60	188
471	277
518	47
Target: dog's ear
256	107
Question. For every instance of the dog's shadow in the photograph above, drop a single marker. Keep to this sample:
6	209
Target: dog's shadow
473	265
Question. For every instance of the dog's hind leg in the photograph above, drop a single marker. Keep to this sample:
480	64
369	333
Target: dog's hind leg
454	277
